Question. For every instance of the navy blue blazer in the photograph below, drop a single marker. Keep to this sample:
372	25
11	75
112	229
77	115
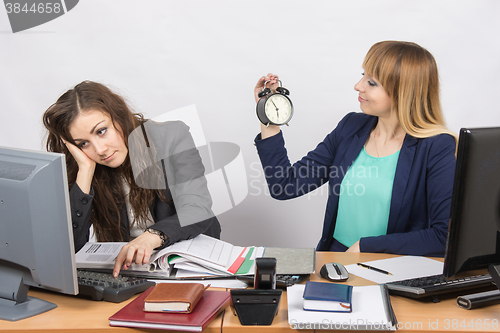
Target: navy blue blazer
421	196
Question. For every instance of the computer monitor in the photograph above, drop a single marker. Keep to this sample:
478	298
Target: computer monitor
36	238
474	230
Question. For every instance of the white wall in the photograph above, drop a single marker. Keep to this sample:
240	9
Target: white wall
163	55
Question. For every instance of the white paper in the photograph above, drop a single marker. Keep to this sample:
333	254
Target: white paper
189	273
200	248
214	283
207	252
401	268
102	255
368	311
194	269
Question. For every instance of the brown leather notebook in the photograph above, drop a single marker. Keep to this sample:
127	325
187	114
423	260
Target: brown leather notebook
174	297
210	306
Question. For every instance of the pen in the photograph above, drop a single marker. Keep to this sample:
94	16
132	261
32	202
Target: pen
373	268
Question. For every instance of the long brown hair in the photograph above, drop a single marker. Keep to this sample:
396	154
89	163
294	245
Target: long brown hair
106	182
409	75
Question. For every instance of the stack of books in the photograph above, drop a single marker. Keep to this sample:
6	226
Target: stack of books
324	305
330	297
173	306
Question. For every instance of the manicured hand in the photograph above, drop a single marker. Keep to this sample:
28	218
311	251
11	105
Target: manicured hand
272	84
137	251
265	129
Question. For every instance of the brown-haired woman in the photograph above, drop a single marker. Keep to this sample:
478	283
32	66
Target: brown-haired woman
92	125
390	169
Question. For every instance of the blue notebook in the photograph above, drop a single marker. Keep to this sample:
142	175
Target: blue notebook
324	296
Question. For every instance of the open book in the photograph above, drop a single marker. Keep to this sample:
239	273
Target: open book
201	256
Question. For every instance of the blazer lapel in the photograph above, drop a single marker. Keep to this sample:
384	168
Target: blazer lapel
353	151
355	146
401	178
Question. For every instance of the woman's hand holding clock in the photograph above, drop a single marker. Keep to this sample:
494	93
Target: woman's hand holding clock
274	108
272	83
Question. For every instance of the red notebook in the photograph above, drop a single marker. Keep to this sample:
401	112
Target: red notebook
208	308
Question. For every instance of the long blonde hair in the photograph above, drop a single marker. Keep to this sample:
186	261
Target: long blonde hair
409	75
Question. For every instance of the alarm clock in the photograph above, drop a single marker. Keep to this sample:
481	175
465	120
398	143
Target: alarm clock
274	108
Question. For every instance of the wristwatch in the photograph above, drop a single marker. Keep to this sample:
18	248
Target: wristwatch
159	233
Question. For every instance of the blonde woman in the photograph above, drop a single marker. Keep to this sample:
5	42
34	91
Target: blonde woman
390	169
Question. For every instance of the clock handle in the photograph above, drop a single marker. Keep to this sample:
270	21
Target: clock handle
266	91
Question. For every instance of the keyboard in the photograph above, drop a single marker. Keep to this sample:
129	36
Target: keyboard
282	280
437	284
285	280
103	286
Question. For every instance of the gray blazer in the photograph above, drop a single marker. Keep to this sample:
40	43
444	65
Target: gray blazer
185	173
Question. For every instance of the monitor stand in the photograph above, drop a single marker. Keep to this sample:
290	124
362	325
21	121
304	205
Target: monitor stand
13	311
15	304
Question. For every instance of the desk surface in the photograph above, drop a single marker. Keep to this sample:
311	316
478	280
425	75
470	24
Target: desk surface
412	315
77	314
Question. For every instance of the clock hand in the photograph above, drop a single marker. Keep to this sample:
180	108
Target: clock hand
277	113
274	105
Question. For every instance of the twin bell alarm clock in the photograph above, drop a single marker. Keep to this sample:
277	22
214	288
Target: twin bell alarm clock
274	108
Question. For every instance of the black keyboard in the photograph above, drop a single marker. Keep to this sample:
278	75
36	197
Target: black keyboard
437	284
282	280
103	286
285	280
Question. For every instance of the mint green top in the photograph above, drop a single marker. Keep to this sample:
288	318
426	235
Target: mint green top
365	198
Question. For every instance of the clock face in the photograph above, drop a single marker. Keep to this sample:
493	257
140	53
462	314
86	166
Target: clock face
278	109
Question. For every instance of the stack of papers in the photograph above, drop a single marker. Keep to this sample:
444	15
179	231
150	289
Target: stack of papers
200	256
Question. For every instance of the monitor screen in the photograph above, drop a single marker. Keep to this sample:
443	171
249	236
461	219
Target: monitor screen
36	238
474	230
